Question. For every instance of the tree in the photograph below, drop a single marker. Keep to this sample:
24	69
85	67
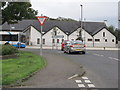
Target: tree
111	29
117	34
12	12
114	31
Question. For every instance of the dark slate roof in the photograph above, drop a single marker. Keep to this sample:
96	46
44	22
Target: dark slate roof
65	26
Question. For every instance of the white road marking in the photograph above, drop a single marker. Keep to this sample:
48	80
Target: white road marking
91	85
102	55
87	81
76	75
115	59
96	54
84	78
81	85
78	81
110	57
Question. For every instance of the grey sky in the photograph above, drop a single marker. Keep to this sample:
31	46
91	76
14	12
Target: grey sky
93	10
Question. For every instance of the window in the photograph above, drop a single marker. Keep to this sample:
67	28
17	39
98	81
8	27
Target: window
72	39
53	40
103	34
43	41
105	40
38	41
97	40
112	40
57	40
9	37
89	39
62	40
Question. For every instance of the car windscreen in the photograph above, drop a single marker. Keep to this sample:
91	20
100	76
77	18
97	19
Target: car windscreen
77	42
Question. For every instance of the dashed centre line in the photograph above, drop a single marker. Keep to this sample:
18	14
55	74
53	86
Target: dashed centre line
108	57
113	58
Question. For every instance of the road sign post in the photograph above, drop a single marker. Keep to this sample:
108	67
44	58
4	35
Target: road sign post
41	20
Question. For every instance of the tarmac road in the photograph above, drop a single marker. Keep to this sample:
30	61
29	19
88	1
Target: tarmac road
101	67
55	74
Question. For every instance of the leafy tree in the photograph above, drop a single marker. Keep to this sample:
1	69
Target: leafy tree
115	31
111	29
12	12
117	34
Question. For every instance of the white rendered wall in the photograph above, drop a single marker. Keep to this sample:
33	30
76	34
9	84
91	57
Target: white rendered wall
102	42
48	37
34	36
85	36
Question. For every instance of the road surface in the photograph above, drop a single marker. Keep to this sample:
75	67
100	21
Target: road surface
101	67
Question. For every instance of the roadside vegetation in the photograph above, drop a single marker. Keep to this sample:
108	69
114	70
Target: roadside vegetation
17	69
7	50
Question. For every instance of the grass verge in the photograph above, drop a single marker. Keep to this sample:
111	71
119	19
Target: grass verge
18	68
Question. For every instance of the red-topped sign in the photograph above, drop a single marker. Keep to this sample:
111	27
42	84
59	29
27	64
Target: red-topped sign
41	19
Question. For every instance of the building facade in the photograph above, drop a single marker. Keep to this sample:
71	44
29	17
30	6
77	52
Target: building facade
94	34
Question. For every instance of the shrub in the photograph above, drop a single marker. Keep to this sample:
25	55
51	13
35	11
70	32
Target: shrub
7	50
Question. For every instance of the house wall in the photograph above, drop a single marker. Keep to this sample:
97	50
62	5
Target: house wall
34	35
85	36
74	35
102	42
48	37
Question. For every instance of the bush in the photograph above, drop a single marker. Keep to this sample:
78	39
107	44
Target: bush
7	50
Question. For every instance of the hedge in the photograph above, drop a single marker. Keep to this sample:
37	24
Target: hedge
7	50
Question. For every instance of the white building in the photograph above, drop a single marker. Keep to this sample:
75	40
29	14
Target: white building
94	34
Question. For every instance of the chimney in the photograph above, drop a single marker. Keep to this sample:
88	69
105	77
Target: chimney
105	21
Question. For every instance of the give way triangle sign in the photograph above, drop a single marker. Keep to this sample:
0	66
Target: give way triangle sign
41	19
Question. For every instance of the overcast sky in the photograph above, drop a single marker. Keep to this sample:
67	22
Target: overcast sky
93	10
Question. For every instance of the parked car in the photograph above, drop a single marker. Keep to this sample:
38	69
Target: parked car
63	44
19	45
74	46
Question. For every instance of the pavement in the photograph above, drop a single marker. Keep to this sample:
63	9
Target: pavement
87	48
55	74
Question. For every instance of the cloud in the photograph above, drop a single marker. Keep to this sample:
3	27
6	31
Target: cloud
92	9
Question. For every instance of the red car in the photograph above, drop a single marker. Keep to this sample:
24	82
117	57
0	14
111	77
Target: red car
63	44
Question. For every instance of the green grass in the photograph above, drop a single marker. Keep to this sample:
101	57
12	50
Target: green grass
21	67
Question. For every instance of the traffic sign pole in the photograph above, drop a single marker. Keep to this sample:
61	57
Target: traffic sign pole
41	20
41	42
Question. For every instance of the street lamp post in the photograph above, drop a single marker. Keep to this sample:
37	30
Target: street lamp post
67	36
80	33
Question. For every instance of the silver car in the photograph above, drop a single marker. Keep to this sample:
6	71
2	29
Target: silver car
74	46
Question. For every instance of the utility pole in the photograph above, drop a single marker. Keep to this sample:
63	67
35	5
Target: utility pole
80	33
